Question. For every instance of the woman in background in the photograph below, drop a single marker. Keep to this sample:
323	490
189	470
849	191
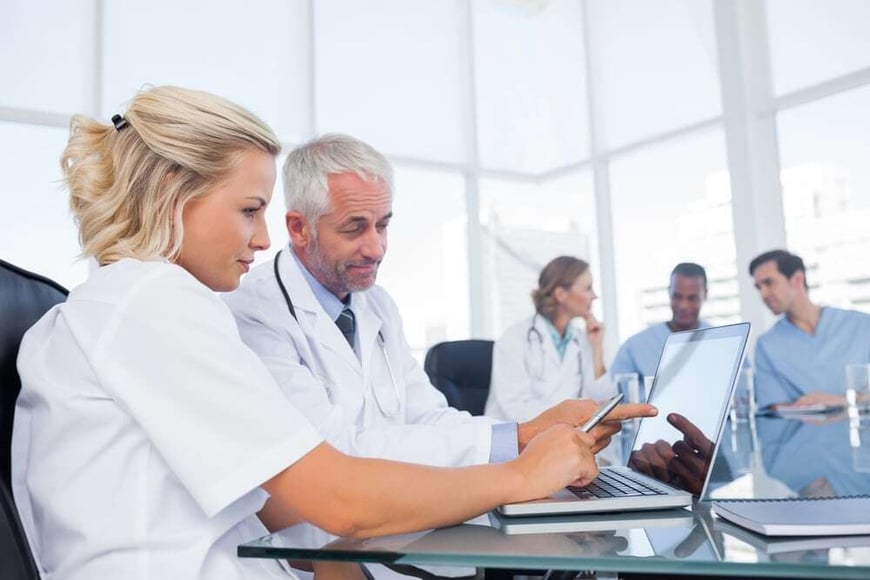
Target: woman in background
546	358
147	436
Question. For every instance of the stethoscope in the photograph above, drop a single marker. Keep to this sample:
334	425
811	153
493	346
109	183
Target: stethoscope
398	401
533	335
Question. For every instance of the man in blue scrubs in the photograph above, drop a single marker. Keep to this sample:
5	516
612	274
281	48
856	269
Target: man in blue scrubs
801	359
640	353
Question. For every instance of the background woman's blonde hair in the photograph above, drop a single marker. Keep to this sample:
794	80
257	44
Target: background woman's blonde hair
559	272
128	187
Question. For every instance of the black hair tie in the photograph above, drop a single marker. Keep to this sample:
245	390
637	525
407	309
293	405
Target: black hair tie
119	122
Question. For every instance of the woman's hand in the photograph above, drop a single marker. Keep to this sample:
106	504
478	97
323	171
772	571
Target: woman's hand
559	456
575	412
594	331
595	334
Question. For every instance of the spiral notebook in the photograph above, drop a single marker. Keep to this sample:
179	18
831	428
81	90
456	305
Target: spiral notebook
800	516
784	544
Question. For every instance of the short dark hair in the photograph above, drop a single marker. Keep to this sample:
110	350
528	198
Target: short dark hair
786	263
689	270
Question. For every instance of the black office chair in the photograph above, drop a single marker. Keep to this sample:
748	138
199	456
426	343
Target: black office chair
16	561
461	369
24	298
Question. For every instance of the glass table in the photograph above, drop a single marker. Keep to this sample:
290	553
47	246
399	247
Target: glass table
763	457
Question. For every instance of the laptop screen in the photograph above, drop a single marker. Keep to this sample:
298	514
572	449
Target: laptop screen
692	390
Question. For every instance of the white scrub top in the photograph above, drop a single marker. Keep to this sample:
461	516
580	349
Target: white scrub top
143	431
529	376
322	376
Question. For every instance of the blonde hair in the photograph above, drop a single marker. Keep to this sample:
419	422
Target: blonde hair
128	186
560	272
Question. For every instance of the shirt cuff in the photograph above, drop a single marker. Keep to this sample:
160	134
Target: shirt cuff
504	443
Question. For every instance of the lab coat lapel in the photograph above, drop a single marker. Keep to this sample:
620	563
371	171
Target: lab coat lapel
311	315
552	357
368	324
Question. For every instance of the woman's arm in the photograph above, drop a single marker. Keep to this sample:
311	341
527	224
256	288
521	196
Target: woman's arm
595	333
357	497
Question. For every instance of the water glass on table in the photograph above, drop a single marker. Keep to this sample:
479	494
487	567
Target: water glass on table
648	381
743	397
629	385
858	399
859	441
858	388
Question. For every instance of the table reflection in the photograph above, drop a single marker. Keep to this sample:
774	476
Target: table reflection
762	457
811	456
663	534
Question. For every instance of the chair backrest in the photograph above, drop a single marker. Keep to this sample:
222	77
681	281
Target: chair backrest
16	561
24	298
461	369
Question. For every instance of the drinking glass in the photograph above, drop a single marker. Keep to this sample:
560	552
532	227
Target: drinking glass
743	397
648	381
629	385
859	440
858	387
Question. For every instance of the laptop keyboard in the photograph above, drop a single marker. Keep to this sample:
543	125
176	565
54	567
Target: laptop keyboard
610	483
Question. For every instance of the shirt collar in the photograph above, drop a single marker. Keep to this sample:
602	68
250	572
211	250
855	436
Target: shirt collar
327	300
559	341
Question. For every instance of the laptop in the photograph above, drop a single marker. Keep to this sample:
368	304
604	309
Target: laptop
695	377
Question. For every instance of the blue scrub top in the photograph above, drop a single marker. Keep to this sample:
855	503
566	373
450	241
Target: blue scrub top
790	362
640	353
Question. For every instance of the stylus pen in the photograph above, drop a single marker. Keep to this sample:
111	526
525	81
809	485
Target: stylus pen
601	413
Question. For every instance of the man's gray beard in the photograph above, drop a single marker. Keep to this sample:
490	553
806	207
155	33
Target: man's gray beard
321	270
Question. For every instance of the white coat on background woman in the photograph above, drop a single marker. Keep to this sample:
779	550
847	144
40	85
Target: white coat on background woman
548	358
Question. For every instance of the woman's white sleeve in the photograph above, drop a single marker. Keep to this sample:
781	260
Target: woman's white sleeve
173	359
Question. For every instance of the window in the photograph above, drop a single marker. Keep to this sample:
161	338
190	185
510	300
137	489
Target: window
525	225
671	203
47	55
826	194
425	269
531	87
813	41
255	56
654	66
392	73
36	228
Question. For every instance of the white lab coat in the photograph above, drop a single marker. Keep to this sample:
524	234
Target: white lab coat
322	376
528	376
143	431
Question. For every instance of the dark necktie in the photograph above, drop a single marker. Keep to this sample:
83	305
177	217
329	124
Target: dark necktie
346	323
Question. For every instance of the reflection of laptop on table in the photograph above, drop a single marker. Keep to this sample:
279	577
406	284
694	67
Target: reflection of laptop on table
696	374
567	524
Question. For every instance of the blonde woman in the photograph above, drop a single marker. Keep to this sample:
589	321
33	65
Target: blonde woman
147	437
546	358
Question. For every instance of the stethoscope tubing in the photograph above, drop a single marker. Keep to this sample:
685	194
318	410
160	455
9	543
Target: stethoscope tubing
538	372
381	342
